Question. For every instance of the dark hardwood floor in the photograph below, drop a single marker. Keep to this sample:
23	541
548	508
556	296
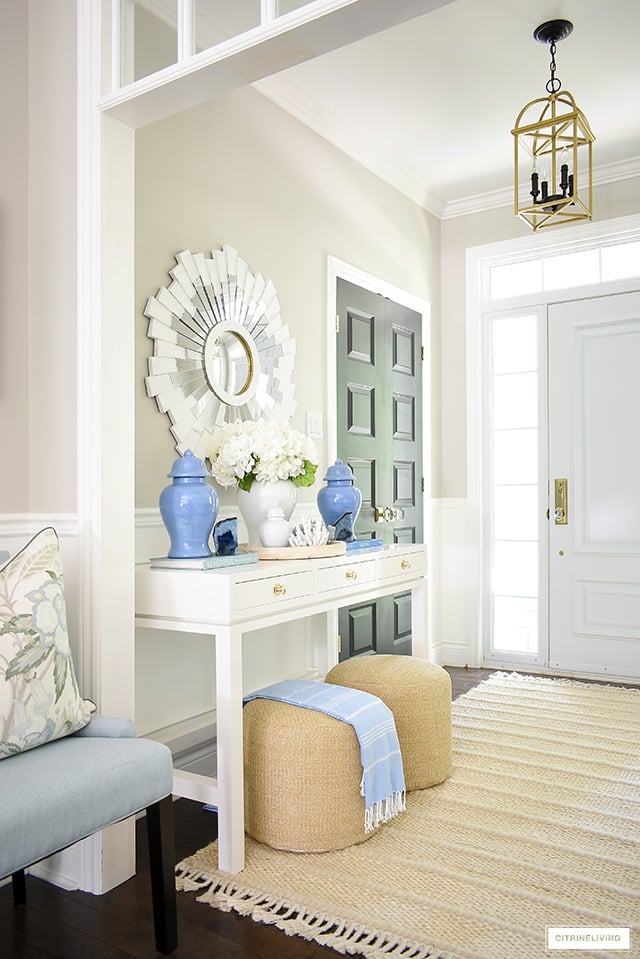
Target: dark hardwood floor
73	925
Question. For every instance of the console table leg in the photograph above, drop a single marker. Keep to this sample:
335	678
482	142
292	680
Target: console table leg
229	749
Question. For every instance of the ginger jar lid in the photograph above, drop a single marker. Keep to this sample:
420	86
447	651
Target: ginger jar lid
188	465
339	473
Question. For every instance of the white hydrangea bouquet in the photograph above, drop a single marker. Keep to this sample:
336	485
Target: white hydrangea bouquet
242	452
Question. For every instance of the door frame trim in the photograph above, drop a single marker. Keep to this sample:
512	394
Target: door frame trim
478	261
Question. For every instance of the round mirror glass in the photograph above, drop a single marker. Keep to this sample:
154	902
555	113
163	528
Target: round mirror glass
228	363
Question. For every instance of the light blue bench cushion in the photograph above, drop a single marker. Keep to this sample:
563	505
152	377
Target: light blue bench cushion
109	727
56	794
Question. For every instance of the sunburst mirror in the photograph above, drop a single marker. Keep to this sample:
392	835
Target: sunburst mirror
221	352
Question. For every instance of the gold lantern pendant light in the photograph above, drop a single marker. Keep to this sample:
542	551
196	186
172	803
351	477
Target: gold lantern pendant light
553	150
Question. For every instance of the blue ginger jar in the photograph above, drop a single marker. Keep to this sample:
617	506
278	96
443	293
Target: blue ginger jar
339	496
189	508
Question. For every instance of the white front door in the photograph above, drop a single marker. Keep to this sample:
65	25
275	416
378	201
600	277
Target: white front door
594	446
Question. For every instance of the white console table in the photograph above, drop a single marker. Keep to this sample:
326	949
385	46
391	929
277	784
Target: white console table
229	602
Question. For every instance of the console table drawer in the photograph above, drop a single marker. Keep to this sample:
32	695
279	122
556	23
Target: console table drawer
341	577
273	590
407	565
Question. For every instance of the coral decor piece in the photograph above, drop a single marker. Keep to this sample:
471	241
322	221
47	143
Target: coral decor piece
310	532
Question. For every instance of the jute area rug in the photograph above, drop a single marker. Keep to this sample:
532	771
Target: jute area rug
538	826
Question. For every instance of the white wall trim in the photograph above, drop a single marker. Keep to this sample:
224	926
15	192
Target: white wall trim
28	524
302	34
88	339
451	573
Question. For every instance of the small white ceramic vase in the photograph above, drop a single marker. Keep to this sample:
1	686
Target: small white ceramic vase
254	504
274	530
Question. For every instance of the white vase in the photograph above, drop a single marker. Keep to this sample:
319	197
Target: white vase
255	503
274	530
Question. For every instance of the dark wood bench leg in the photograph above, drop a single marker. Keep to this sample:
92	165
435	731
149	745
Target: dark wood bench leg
19	886
162	860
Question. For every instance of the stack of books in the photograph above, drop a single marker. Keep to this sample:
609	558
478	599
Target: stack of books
203	562
364	544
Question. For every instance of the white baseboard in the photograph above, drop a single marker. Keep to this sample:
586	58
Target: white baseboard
192	743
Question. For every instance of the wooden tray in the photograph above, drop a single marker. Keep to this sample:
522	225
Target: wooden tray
301	552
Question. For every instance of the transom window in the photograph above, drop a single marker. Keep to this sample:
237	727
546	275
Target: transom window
561	270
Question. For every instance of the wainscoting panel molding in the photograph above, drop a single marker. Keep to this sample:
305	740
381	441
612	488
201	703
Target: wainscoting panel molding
454	620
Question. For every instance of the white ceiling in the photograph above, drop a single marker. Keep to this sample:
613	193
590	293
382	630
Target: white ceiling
429	105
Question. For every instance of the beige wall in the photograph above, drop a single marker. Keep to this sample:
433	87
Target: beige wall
610	200
14	381
241	171
38	257
52	257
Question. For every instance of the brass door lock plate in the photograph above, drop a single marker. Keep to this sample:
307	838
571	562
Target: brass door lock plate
560	512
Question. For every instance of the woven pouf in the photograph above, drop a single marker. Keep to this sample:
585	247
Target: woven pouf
302	773
419	696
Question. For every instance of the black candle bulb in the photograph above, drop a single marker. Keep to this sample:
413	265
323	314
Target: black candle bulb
534	186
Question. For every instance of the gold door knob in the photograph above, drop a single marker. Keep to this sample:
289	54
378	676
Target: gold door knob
387	514
279	590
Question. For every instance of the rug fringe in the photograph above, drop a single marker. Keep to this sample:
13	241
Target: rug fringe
344	937
560	681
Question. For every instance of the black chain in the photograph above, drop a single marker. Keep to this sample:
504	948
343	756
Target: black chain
553	85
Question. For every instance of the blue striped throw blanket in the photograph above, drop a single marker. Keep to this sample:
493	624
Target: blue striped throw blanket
382	783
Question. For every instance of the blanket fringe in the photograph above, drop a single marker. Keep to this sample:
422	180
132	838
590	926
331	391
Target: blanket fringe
348	938
384	810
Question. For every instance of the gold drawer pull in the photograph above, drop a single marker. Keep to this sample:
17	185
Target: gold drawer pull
279	590
405	564
351	574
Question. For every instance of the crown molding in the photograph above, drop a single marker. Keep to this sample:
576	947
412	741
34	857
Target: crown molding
611	172
606	173
298	104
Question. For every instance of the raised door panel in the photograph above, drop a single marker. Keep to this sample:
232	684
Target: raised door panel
594	557
406	423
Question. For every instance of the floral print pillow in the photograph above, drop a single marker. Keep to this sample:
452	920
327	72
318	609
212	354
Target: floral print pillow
39	697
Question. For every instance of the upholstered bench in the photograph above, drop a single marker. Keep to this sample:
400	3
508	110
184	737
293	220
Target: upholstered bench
302	773
419	695
59	793
65	773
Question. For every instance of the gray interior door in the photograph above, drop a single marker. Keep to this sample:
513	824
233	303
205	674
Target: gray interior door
379	409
